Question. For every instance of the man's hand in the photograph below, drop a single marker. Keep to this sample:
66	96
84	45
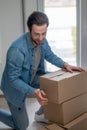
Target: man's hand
71	68
41	97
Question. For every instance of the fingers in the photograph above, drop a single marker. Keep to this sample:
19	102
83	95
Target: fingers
43	93
42	102
77	68
41	97
81	69
71	68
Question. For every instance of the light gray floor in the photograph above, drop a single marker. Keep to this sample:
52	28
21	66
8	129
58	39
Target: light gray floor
32	106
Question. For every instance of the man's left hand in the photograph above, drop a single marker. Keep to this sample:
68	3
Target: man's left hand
71	68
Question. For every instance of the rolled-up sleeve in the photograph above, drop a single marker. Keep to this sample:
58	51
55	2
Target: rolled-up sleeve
51	57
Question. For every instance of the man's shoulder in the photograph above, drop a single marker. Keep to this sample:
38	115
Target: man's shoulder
21	38
20	42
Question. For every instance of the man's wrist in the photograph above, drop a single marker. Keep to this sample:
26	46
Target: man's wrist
36	92
65	65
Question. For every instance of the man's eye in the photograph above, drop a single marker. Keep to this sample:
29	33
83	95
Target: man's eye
36	34
44	33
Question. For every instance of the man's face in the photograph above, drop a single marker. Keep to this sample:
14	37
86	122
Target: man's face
38	33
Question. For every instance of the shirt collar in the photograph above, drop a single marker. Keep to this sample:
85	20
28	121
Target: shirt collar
30	44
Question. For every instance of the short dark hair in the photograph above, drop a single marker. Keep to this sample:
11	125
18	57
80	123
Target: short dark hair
38	18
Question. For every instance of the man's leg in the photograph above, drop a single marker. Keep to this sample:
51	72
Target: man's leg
20	116
40	110
6	118
39	115
17	118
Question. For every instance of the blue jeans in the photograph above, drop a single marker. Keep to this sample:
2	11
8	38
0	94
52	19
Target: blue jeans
17	118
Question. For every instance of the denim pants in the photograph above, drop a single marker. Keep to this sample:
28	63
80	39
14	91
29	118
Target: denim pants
17	118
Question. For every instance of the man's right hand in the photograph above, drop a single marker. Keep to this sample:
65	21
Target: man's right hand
41	96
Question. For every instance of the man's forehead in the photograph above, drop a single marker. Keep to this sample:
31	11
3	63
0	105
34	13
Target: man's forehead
39	29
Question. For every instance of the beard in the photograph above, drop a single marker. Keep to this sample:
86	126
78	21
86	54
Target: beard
35	43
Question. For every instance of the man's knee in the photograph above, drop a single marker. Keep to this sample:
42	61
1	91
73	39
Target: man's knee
23	126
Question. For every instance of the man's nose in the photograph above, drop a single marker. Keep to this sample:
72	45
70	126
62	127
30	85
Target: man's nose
40	37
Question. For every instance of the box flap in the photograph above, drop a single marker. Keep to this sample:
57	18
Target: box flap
64	75
54	127
52	74
60	75
78	120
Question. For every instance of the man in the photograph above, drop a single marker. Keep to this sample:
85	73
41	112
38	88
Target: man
24	65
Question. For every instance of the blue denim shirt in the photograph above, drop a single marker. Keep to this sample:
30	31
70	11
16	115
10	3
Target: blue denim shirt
17	74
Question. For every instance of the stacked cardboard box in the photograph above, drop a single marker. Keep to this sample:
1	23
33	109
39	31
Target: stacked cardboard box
67	94
79	123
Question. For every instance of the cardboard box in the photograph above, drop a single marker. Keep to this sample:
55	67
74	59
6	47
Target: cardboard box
79	123
61	86
52	127
67	111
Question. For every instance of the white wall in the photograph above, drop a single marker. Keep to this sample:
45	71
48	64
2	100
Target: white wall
30	6
10	26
